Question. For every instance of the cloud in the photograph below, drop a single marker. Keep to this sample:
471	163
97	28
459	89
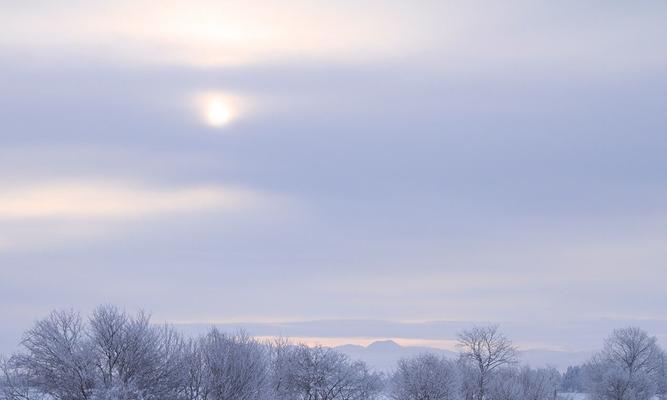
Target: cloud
481	178
44	215
73	200
507	38
217	33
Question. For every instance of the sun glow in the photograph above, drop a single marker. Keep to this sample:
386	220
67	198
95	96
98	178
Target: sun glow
217	109
218	113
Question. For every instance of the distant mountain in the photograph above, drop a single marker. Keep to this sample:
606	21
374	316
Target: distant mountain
384	345
383	355
581	334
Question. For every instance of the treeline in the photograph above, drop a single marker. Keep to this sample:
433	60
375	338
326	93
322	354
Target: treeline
631	365
116	356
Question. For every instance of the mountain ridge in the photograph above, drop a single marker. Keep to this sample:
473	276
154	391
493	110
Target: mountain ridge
382	355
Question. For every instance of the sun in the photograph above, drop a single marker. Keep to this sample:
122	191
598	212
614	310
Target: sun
217	109
218	113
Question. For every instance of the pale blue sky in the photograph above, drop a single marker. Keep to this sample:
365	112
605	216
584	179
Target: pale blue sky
399	161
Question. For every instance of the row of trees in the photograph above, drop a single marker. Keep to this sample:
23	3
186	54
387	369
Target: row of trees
116	356
487	369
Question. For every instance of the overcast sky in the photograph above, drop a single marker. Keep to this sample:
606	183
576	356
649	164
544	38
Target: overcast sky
285	161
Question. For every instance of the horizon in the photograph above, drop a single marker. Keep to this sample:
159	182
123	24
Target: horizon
381	354
434	335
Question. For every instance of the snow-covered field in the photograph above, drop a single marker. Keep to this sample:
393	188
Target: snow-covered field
572	396
579	396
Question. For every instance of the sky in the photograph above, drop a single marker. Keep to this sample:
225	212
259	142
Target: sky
397	169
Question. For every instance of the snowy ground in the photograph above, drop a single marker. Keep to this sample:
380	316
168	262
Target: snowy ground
578	396
572	396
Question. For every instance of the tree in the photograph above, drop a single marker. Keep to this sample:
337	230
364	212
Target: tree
318	373
629	367
524	383
132	357
15	383
505	385
469	379
195	376
114	356
662	378
486	350
573	379
58	358
538	384
425	377
118	356
235	366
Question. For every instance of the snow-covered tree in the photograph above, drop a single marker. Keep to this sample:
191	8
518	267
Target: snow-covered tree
524	383
573	379
194	375
234	367
114	356
58	357
319	373
469	379
504	385
485	349
132	357
629	367
425	377
15	383
662	378
539	384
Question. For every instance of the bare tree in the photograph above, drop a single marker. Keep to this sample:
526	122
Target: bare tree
469	379
486	349
539	384
236	367
573	379
634	350
58	357
629	367
15	383
110	346
662	378
525	383
115	356
133	357
318	373
504	385
194	372
425	377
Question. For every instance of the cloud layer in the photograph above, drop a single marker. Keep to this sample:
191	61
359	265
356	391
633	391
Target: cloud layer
75	200
422	161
